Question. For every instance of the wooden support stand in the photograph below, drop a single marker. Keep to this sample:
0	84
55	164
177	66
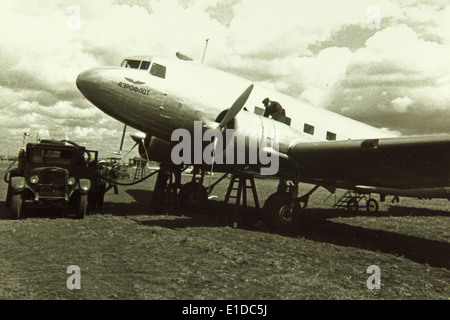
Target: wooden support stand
240	192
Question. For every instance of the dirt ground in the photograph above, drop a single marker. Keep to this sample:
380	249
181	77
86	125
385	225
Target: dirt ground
125	251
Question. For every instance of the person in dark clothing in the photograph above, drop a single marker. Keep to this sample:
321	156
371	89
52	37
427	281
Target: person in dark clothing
274	109
159	192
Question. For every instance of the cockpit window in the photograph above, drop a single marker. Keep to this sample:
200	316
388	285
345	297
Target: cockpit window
158	70
135	64
145	65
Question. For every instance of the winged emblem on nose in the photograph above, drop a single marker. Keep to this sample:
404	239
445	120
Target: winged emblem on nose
134	82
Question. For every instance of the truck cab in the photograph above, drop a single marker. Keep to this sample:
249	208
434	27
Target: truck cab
54	173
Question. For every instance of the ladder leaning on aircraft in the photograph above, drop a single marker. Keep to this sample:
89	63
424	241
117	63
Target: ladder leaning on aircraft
313	145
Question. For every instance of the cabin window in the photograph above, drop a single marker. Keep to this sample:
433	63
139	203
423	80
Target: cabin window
134	64
309	129
331	135
158	70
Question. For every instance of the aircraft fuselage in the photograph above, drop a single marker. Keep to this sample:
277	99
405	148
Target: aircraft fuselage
191	92
158	96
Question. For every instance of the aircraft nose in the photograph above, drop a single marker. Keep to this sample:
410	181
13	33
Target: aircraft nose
89	81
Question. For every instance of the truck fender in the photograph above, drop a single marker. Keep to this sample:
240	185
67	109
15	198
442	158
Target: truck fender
85	185
17	184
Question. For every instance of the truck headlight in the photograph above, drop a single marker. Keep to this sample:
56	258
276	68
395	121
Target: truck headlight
34	179
71	181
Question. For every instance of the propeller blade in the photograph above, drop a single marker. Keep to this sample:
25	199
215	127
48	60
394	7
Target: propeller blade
121	140
140	138
236	107
131	150
232	112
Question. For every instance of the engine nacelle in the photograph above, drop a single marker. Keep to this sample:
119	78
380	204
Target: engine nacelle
253	140
249	142
264	132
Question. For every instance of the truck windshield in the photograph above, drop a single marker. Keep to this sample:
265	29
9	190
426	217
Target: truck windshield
51	157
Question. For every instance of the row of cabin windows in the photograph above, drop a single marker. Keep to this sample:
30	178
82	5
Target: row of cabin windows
156	70
309	129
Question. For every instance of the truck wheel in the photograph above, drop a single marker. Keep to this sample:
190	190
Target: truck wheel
17	206
81	206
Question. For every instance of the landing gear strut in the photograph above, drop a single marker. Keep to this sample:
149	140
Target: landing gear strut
190	196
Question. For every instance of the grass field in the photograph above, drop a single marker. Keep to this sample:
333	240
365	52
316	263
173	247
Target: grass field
126	252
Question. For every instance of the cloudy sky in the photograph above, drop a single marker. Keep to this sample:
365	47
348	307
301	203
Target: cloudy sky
387	65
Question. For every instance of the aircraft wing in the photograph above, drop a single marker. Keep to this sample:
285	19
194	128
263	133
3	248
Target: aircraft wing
403	162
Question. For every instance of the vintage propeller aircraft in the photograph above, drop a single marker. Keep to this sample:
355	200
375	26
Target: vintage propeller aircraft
159	96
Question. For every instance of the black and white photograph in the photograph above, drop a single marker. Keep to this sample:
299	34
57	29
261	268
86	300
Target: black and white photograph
224	155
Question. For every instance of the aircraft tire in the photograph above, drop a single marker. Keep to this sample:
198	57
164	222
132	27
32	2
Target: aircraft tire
277	212
372	206
192	195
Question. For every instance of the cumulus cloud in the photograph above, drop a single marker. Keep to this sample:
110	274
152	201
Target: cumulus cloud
394	77
402	79
281	28
402	104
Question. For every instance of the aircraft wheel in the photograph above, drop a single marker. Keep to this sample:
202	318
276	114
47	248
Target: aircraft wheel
192	195
352	205
17	206
278	212
372	206
81	206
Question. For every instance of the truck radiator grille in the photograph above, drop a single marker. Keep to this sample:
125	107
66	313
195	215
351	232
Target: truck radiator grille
53	178
52	192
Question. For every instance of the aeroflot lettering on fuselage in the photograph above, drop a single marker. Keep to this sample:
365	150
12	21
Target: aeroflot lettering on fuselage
133	88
